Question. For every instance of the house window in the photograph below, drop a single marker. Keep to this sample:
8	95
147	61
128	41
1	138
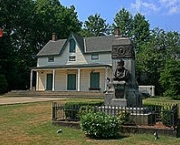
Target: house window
51	59
94	56
71	82
72	58
94	81
72	45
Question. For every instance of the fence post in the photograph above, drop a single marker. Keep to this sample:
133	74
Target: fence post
54	111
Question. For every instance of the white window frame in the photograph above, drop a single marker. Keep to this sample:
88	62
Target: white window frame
72	58
51	59
94	56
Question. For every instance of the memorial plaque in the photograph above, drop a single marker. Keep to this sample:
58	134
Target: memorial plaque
119	52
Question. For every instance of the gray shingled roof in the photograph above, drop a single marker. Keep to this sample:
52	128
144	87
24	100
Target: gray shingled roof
99	44
80	41
87	45
52	48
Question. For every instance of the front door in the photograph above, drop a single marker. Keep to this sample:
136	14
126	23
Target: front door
71	82
49	81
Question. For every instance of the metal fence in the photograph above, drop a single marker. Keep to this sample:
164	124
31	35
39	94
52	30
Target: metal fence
149	115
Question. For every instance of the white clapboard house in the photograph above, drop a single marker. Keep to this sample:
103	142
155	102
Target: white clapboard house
73	64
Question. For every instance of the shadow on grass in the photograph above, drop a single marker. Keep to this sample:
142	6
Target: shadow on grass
119	137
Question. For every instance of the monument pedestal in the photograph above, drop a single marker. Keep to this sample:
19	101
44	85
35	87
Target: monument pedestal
117	96
110	100
119	102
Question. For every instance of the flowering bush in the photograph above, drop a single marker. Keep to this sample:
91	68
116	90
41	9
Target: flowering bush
100	125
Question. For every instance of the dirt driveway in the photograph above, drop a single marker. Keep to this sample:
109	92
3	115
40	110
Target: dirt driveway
18	100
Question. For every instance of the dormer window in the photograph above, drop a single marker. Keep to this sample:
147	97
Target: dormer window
72	45
51	59
72	58
94	56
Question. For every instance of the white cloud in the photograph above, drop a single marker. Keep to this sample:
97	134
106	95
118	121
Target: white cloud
174	10
144	7
150	6
171	6
168	3
163	6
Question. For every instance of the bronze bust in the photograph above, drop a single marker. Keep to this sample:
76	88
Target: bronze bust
121	73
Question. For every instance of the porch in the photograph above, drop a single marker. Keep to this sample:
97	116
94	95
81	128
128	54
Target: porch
70	78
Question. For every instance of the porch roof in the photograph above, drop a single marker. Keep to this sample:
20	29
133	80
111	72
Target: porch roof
71	66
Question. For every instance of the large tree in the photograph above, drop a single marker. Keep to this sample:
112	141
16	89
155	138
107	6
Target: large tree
151	61
27	27
141	31
51	17
95	26
170	78
124	21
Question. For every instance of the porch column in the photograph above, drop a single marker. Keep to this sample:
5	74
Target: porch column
37	80
79	76
106	74
53	81
153	92
31	78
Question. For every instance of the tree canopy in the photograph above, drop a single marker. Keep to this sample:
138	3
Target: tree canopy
95	26
27	26
124	21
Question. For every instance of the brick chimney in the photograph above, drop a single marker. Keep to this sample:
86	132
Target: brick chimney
54	37
116	31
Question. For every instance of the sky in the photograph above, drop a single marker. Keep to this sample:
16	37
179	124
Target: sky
164	14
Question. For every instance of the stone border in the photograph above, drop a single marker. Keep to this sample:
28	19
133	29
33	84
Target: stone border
127	128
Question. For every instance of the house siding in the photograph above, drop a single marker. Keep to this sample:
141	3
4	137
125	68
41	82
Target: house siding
60	80
103	58
85	80
63	59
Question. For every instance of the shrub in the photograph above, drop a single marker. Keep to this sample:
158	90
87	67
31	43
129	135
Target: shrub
86	109
100	125
72	108
176	97
123	116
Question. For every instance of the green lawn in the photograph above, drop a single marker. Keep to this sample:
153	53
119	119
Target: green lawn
30	124
165	100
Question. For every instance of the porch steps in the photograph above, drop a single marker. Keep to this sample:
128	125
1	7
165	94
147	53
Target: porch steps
54	94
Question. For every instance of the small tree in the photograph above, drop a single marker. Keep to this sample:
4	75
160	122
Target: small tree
170	78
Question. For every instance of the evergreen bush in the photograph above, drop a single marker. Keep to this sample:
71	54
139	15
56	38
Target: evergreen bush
71	109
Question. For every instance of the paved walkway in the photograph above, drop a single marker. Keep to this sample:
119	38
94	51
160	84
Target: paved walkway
18	100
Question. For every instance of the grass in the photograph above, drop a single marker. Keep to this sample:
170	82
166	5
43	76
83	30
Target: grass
30	124
163	100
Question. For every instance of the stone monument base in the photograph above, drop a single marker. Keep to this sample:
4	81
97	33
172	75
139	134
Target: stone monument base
110	100
119	102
